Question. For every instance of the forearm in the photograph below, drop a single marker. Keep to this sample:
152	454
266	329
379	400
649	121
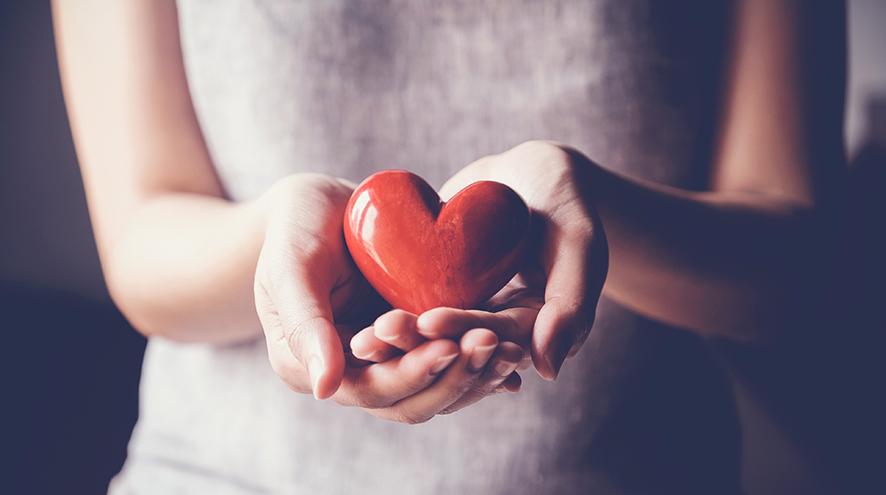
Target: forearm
184	264
739	265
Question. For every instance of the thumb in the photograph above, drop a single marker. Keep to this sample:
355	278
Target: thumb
575	273
306	317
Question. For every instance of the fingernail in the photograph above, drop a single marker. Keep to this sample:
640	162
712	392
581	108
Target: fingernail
556	355
442	362
376	356
480	356
372	356
315	370
386	337
553	366
504	368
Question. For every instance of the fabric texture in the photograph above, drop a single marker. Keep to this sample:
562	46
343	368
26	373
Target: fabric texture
349	87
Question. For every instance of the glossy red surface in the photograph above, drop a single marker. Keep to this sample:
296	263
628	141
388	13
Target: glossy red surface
420	253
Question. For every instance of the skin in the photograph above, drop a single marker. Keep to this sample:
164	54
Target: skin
550	306
745	260
184	263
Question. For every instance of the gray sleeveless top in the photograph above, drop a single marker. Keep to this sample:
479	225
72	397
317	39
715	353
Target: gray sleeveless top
348	87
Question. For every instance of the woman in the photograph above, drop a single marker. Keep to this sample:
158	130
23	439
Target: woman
219	142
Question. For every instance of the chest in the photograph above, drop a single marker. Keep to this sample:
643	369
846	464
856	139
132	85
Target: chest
351	87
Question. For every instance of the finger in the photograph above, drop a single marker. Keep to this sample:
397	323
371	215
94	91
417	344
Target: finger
397	328
477	347
366	346
504	363
513	324
382	384
346	333
575	276
302	303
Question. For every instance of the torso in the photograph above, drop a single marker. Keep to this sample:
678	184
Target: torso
350	87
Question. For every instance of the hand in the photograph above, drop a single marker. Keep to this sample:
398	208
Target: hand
486	365
567	265
305	290
550	306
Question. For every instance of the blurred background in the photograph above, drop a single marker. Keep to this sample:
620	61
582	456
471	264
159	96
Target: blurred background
73	363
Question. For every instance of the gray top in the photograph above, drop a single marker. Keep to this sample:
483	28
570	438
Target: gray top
348	87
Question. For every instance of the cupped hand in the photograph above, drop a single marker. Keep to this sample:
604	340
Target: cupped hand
309	295
303	278
487	363
549	307
399	331
566	261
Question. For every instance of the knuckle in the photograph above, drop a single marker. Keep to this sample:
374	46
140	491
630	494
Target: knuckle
410	417
297	334
448	411
555	158
357	401
366	398
467	386
346	399
370	401
487	386
540	146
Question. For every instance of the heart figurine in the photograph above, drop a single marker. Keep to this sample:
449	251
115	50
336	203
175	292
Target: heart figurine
419	252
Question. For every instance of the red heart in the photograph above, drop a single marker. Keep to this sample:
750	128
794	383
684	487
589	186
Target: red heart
420	253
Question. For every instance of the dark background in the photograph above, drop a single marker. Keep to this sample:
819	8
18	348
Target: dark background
72	362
